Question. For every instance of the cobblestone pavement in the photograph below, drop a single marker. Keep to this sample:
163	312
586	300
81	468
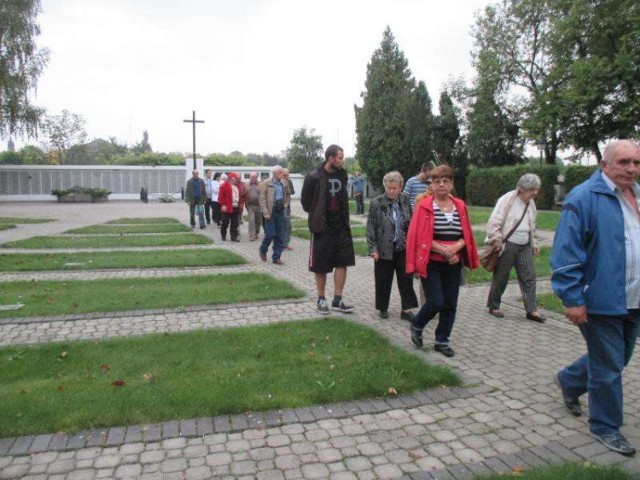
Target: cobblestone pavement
508	414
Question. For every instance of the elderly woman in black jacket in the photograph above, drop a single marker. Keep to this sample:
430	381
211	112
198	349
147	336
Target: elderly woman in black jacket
387	225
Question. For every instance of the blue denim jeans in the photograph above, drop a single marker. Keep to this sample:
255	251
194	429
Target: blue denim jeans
441	288
610	342
274	232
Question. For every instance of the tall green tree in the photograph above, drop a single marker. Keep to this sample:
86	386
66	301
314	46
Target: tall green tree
493	138
21	63
64	131
516	34
305	151
393	125
596	48
143	146
446	131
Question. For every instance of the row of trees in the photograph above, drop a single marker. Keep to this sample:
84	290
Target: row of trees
562	74
395	125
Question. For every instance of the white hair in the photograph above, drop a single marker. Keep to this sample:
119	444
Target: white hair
612	146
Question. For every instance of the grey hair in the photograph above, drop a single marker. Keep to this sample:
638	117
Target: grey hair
276	168
612	146
528	181
392	177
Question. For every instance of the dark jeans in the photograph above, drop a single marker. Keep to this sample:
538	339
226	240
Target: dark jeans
193	210
359	204
441	289
383	271
274	232
216	215
610	342
233	219
208	210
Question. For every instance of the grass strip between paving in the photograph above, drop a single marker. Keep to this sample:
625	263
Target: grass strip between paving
82	385
115	295
32	262
15	220
567	471
141	221
116	241
125	229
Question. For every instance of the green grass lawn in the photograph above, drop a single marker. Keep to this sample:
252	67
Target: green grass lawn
110	241
141	221
15	220
6	226
58	297
124	229
303	233
361	248
541	262
70	387
550	302
568	471
545	219
297	222
17	262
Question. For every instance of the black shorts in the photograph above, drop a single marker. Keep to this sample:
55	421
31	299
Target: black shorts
330	250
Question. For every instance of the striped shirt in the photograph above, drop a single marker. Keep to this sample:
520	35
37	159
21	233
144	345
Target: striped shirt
446	226
631	242
413	188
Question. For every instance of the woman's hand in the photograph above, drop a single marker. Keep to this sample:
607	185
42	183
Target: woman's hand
455	259
375	256
223	209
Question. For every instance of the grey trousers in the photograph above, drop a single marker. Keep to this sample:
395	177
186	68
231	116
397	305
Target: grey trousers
520	256
255	220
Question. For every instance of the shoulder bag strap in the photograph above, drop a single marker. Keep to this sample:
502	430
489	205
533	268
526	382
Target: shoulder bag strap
515	227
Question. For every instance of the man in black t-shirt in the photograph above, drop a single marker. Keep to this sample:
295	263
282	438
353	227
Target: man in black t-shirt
325	198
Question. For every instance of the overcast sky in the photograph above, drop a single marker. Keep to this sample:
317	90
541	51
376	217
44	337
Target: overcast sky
253	70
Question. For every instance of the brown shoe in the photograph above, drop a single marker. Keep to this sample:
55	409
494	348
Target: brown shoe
263	257
496	313
278	262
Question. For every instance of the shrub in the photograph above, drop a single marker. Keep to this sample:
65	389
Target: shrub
94	192
486	185
576	174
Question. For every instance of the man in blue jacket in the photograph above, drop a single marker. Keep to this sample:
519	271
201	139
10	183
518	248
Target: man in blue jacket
596	274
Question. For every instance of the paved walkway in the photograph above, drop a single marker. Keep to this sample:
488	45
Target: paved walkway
508	414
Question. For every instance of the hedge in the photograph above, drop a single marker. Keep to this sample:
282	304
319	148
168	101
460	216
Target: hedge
486	185
576	174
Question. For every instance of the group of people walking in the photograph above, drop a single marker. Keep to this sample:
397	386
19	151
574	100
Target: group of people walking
222	198
421	229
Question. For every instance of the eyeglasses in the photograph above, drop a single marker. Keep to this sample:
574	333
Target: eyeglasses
442	181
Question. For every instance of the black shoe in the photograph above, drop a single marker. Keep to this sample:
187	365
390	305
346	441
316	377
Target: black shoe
496	313
536	318
235	239
202	227
407	316
340	305
416	337
572	404
446	350
616	443
263	257
383	314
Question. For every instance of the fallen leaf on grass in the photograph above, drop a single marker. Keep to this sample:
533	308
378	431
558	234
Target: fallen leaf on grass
118	383
104	368
63	355
148	378
60	388
392	391
23	391
51	300
518	469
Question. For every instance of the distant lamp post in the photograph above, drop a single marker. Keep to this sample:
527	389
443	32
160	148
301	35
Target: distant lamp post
541	144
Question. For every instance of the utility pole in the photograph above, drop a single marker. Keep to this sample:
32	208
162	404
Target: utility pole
194	121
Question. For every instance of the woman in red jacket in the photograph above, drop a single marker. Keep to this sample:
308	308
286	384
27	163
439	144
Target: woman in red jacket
229	199
439	243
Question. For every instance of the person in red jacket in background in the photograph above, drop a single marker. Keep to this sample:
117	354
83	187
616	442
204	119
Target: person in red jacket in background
439	243
229	199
